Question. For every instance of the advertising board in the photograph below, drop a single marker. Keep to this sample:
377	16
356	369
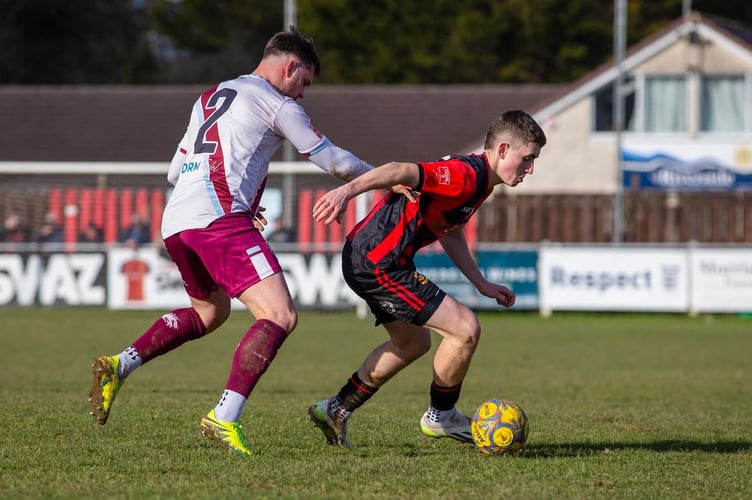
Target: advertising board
613	279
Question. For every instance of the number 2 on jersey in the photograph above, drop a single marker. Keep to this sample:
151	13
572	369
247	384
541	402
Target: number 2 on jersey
202	144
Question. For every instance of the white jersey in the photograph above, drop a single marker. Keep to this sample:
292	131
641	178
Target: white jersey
222	161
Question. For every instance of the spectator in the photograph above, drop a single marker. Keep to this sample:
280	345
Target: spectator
138	233
282	233
50	231
14	230
91	234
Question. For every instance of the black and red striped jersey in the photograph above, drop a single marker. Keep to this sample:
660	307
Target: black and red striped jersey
451	190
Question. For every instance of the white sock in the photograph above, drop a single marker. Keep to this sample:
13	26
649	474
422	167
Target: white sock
435	415
338	410
129	361
230	406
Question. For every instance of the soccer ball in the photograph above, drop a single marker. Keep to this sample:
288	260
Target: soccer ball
499	427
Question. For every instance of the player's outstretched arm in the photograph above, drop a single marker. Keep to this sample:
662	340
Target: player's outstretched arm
339	162
332	204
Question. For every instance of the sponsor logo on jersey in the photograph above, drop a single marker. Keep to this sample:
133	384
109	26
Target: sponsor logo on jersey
420	278
190	166
215	164
442	176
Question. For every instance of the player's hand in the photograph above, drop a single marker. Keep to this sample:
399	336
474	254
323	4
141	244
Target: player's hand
259	221
331	206
407	191
503	295
506	297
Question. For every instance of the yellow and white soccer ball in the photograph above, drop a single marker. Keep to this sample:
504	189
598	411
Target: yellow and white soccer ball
499	426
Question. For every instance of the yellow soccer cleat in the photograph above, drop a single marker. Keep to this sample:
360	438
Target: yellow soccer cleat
105	386
229	435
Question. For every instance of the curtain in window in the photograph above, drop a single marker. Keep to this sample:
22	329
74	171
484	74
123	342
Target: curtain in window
665	104
723	104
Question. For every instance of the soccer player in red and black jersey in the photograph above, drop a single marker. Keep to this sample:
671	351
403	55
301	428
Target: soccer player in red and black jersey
377	263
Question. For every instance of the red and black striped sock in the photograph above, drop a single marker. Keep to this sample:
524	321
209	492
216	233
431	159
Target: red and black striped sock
355	393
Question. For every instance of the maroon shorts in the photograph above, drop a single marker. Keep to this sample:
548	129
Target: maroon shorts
230	254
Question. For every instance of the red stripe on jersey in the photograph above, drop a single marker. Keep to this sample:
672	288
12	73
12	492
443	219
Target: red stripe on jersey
403	293
392	240
367	218
216	160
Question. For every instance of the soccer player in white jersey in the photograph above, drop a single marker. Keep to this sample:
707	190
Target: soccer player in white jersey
219	171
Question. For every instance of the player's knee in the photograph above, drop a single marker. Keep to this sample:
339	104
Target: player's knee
468	331
422	344
292	321
287	319
213	310
214	317
221	313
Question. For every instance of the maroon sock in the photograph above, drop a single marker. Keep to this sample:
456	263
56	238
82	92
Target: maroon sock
168	332
254	354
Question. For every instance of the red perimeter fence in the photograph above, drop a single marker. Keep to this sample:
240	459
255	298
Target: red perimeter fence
649	217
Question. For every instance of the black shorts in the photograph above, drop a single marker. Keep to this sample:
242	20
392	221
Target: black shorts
394	293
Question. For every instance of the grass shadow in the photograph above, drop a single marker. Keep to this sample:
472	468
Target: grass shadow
662	446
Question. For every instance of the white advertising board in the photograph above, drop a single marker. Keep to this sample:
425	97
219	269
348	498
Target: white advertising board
143	278
721	279
52	279
146	278
612	279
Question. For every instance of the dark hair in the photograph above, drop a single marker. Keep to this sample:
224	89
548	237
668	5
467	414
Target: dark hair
295	43
517	124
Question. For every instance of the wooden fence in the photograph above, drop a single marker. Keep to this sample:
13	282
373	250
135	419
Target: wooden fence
649	217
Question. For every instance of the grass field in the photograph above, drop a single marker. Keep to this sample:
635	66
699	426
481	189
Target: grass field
620	406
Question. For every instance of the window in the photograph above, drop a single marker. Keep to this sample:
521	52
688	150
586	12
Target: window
660	103
722	106
665	103
604	107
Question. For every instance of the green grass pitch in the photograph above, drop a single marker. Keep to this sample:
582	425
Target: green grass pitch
620	406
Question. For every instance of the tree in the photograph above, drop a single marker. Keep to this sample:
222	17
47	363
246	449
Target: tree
480	41
213	40
71	41
375	41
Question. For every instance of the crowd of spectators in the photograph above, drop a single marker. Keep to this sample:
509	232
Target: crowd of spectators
16	230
